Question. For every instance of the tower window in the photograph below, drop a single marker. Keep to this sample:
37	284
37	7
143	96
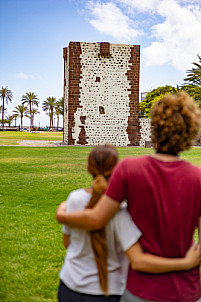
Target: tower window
101	110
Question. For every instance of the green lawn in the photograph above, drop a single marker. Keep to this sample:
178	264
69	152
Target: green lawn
12	137
34	180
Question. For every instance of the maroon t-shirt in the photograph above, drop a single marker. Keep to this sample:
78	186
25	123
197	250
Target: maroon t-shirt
164	200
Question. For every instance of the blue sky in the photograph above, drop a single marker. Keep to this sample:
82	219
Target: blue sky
34	32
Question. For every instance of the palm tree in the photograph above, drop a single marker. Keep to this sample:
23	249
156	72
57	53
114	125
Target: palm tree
21	111
31	99
33	112
15	116
61	103
57	114
5	111
9	119
5	95
59	109
194	75
193	81
49	106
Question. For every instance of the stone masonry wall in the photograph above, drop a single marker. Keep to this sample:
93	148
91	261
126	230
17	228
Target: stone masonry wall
101	94
144	130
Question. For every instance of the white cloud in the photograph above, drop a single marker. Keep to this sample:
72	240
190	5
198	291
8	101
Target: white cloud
156	54
108	19
25	76
175	35
140	5
178	36
189	1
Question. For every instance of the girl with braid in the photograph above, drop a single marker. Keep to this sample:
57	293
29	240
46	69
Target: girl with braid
96	266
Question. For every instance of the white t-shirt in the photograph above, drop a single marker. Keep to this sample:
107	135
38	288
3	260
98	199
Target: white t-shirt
79	271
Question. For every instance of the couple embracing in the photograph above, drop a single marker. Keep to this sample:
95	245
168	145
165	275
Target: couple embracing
154	232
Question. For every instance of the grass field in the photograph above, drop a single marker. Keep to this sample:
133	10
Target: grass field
34	180
12	137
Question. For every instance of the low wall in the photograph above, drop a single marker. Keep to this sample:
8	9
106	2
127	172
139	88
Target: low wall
144	130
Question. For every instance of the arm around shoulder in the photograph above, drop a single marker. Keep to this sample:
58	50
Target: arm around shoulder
89	219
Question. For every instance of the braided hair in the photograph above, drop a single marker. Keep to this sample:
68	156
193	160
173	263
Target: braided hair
101	161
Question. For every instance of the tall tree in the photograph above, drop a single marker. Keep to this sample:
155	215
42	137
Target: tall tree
5	95
30	99
194	75
61	102
15	116
57	112
33	112
193	81
59	109
49	105
9	119
21	111
153	96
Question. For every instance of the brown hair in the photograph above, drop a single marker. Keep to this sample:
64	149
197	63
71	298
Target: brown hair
101	161
175	121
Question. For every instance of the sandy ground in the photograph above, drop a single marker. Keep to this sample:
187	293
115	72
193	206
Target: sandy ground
39	143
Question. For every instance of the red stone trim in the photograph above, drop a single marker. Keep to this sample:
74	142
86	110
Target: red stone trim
104	49
65	53
74	89
65	57
133	77
83	119
82	136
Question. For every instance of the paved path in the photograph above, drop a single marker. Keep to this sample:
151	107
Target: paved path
40	143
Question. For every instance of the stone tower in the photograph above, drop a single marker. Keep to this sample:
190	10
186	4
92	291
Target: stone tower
101	94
